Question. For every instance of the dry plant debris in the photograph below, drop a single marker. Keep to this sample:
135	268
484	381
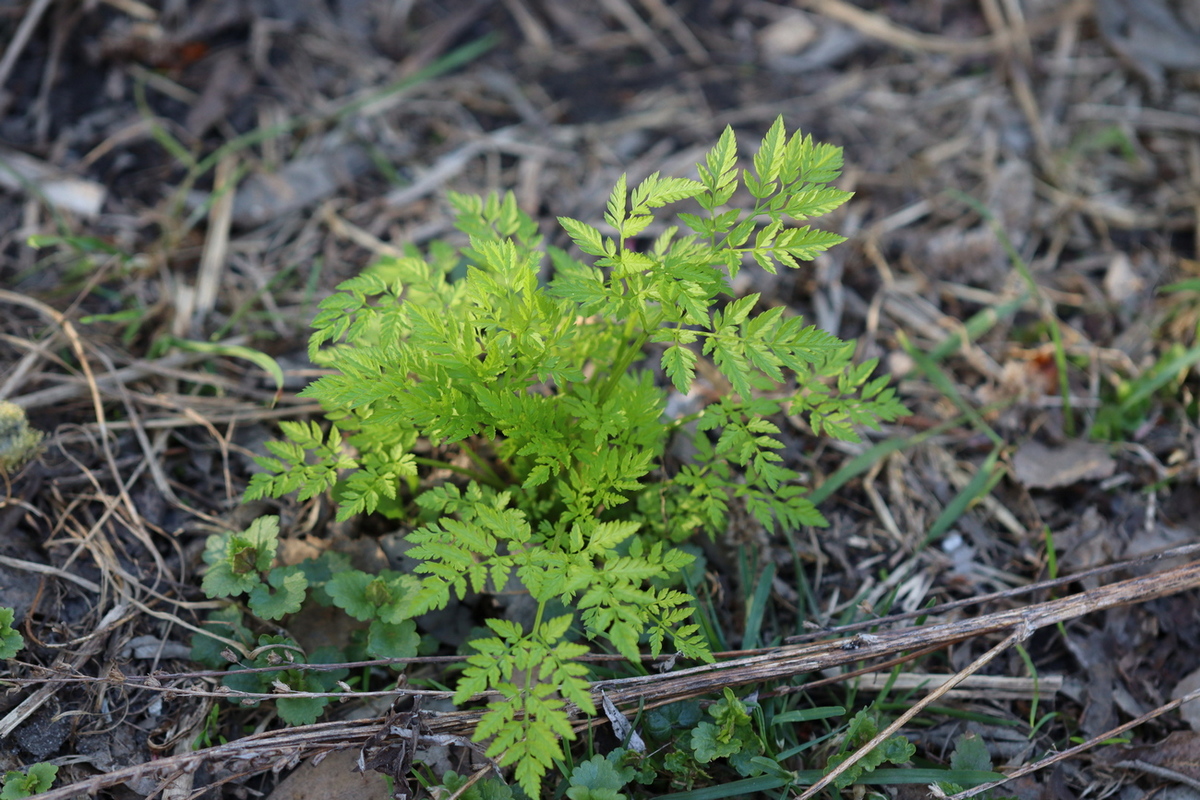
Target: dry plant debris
199	174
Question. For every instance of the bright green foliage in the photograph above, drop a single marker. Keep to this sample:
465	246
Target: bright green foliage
863	727
210	735
1132	400
670	729
584	564
852	401
684	767
688	749
366	597
392	639
11	642
536	679
386	600
18	785
632	765
548	391
289	584
236	560
292	472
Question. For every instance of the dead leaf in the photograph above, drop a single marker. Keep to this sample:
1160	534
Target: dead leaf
305	181
621	725
228	79
1121	282
1190	711
1093	652
334	778
1179	752
1149	36
799	43
1040	467
22	173
787	35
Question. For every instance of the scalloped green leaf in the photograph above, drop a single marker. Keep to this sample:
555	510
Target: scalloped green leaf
11	642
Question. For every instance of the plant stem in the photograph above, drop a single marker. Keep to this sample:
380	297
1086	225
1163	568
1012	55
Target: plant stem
492	478
470	473
537	623
621	366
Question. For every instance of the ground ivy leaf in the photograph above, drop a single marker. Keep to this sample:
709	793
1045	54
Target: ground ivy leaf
708	744
348	592
37	780
970	753
11	642
289	584
596	779
300	710
386	640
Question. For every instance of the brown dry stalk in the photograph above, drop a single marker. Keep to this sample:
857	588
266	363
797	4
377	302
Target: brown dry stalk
285	748
878	26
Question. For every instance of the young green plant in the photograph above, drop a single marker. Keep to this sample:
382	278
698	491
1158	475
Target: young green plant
543	398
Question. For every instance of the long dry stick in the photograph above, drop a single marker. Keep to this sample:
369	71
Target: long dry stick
283	748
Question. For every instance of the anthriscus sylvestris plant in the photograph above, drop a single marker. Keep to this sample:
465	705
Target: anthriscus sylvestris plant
550	393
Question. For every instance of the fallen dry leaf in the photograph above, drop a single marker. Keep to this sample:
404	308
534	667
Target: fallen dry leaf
1190	711
1179	752
335	778
1041	467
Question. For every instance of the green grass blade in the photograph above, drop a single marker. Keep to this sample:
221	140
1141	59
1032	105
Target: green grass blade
786	754
1163	373
256	357
742	788
977	325
943	384
1022	268
956	713
157	131
963	777
808	714
1033	706
752	637
979	486
1189	285
865	460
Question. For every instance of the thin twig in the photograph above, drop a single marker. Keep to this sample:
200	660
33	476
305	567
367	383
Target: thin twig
1019	635
1079	748
33	15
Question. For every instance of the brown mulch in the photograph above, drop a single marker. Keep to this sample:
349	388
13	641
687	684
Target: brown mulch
221	165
